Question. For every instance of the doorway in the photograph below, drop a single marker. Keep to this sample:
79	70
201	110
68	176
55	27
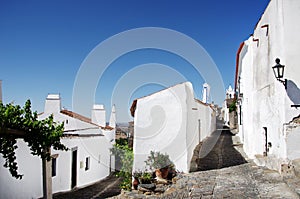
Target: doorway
74	168
266	149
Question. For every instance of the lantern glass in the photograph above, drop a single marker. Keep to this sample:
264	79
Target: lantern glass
278	70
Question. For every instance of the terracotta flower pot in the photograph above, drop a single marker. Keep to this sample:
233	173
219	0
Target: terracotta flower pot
135	183
158	173
164	172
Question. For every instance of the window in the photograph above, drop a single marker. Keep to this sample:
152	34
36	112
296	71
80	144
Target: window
87	163
53	167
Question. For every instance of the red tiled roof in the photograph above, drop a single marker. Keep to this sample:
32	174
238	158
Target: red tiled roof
83	118
77	116
205	104
133	107
237	65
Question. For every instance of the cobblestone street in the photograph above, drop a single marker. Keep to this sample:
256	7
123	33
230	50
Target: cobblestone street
217	151
223	172
105	188
222	179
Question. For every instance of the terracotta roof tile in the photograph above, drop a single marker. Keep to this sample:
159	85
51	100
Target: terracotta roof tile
77	116
83	118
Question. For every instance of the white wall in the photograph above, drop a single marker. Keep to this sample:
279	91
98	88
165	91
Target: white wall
92	142
167	122
31	184
201	123
99	115
292	140
160	125
96	147
265	102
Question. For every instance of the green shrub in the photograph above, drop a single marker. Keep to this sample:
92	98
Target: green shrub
126	155
157	160
232	107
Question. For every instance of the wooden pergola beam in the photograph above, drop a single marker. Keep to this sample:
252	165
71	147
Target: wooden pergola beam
8	131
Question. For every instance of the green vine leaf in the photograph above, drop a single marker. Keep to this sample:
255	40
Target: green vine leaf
40	135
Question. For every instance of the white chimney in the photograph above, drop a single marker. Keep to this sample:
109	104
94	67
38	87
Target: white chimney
99	115
112	120
205	93
0	90
53	104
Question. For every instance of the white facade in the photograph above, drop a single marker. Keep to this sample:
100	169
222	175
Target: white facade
265	112
88	159
171	121
225	110
99	115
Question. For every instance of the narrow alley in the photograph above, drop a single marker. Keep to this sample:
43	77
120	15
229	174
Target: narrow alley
223	172
217	151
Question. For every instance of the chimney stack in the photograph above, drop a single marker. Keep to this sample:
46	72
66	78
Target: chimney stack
99	115
205	93
53	104
112	121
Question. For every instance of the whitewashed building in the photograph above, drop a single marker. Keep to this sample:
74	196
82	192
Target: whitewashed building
225	109
268	124
87	161
170	121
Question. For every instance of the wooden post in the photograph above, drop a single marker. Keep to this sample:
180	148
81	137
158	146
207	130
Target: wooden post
47	177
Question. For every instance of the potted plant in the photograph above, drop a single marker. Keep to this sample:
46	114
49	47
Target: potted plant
159	162
136	179
145	178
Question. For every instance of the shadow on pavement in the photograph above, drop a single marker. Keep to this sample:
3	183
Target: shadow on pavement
105	188
217	151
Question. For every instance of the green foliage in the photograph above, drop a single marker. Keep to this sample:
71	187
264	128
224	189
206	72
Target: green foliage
125	153
232	107
126	183
122	141
144	177
39	134
157	160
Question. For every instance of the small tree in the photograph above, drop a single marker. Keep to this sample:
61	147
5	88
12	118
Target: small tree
40	135
125	153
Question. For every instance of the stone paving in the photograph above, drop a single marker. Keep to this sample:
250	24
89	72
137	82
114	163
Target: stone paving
217	151
216	177
103	189
223	180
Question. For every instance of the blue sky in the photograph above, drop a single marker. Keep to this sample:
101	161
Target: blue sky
43	43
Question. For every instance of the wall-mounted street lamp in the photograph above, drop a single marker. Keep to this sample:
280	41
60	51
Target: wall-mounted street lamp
278	70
